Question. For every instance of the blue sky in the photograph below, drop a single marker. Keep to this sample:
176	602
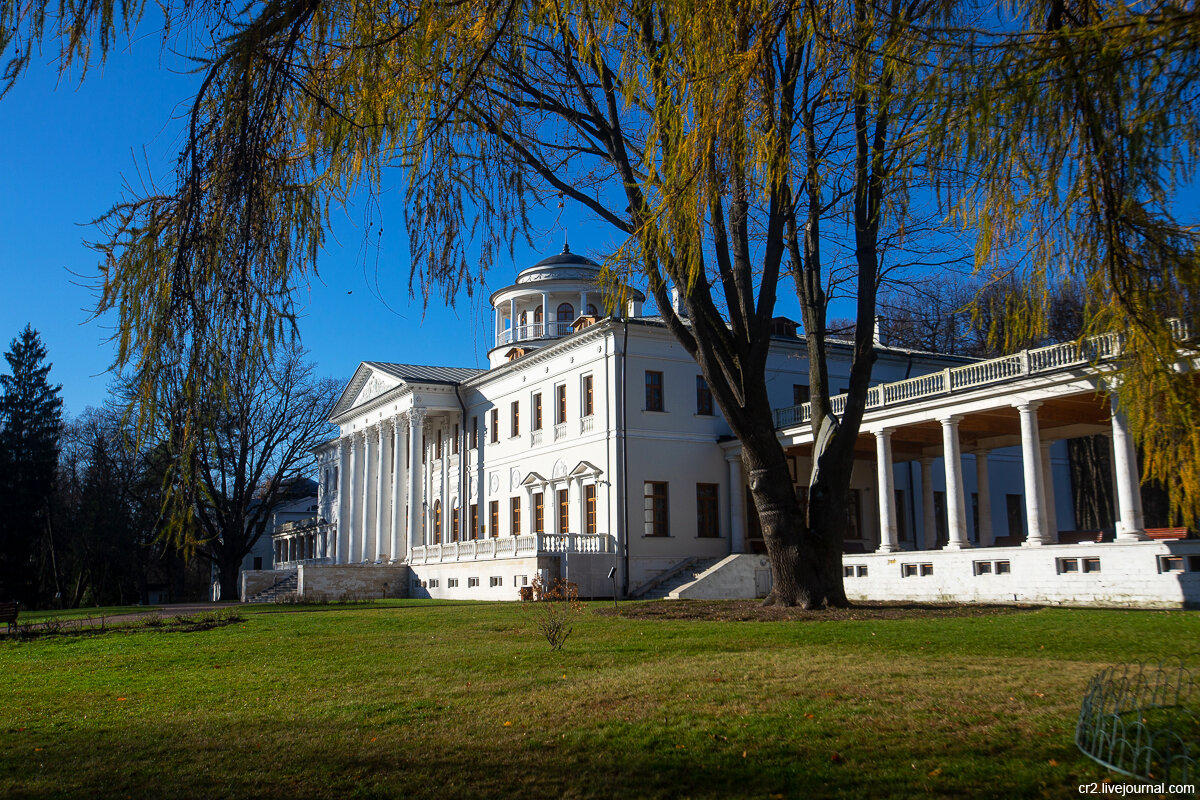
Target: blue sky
68	149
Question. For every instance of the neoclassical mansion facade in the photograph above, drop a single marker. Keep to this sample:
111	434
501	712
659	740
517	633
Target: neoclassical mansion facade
591	449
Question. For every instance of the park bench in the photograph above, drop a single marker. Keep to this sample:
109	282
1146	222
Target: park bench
1167	534
8	613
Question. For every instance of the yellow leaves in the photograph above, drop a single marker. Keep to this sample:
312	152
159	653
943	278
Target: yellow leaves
508	723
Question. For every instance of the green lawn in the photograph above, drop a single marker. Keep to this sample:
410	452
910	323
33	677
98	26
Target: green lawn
414	698
81	613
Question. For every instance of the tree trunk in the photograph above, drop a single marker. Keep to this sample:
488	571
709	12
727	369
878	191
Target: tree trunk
229	569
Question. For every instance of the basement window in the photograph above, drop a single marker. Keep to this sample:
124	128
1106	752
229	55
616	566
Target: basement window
1170	563
847	572
861	570
451	583
926	569
1068	565
1193	563
495	581
1090	564
1003	567
983	568
433	583
472	583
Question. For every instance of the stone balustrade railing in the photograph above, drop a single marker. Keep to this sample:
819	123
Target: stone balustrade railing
512	547
982	373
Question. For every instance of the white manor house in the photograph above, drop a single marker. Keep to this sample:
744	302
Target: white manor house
591	450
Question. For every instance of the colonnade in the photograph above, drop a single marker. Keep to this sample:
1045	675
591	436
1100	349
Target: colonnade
381	492
1038	484
301	545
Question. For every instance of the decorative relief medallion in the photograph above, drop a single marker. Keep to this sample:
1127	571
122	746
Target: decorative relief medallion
494	482
560	469
514	478
474	486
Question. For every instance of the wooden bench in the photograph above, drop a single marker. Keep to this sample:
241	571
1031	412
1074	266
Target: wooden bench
1167	534
8	613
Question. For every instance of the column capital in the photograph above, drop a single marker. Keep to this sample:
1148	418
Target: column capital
732	456
884	433
1027	405
952	419
416	416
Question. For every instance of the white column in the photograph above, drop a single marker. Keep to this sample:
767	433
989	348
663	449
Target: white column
1031	462
345	492
888	536
582	303
381	483
1051	515
956	510
394	549
499	325
353	492
416	423
928	521
546	314
365	533
737	528
984	534
1131	526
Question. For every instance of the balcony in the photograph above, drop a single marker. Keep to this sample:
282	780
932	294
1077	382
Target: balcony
538	330
538	544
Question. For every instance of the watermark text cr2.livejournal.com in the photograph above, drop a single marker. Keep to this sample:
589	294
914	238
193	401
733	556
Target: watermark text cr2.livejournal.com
1185	789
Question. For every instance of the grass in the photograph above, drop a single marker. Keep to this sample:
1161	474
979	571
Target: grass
412	698
65	614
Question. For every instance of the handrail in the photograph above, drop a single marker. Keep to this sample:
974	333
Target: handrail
1035	361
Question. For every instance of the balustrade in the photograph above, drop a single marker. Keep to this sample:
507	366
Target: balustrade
982	373
512	547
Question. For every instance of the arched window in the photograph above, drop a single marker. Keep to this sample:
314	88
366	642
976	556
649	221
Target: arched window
592	311
566	312
524	318
437	521
537	321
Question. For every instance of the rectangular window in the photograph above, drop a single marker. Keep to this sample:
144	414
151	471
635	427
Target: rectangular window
861	570
494	518
454	443
494	434
539	513
654	391
1015	512
474	433
433	583
438	445
707	520
424	450
1003	567
1170	563
1090	564
495	581
926	569
472	583
515	426
454	525
983	568
560	404
800	394
587	395
473	521
514	515
451	583
704	400
847	572
901	516
853	504
537	411
1068	565
908	570
564	511
589	508
657	507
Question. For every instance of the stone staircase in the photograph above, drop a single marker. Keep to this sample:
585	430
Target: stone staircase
283	586
675	577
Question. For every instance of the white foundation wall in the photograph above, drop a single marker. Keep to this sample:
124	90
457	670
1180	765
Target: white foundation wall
335	582
255	581
503	579
1136	574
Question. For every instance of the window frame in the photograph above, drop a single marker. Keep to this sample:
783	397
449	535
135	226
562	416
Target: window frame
708	510
704	398
655	394
657	509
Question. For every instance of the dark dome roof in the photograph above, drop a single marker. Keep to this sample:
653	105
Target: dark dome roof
565	258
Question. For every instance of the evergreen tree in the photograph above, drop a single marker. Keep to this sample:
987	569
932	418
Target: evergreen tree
30	418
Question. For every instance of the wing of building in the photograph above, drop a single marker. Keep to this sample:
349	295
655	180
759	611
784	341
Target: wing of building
592	450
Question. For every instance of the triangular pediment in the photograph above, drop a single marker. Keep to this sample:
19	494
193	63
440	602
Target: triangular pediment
367	384
585	468
533	479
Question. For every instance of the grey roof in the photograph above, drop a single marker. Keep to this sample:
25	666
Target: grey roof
415	373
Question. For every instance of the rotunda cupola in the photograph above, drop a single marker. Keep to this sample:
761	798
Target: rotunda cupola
552	299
